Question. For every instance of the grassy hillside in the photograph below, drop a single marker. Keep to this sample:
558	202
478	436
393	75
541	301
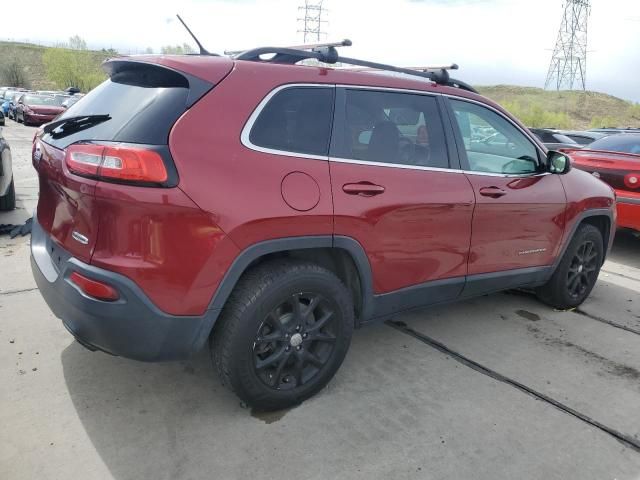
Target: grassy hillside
566	109
30	57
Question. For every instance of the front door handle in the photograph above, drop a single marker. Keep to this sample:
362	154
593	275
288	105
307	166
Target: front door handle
364	189
493	192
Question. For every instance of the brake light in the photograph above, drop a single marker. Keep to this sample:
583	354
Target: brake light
632	180
94	288
127	164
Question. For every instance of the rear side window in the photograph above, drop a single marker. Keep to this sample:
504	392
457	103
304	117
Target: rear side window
395	128
297	120
143	104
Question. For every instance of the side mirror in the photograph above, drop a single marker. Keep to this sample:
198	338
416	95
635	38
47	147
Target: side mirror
558	163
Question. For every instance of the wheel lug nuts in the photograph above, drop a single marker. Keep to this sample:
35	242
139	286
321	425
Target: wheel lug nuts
298	328
305	335
298	347
287	348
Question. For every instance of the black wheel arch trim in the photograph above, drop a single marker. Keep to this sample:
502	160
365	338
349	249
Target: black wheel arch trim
607	239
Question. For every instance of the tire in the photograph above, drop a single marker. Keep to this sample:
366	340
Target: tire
256	347
8	201
577	273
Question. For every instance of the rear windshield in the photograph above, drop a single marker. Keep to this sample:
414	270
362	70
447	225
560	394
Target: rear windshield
142	107
624	142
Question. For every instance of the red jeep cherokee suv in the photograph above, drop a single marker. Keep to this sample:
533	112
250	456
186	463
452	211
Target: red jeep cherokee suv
270	208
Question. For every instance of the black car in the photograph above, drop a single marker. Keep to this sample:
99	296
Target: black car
583	138
553	139
1	118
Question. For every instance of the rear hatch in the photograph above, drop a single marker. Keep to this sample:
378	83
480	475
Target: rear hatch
117	133
620	170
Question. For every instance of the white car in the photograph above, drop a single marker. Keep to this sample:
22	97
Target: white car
7	188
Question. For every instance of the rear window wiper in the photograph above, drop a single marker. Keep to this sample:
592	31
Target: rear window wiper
70	124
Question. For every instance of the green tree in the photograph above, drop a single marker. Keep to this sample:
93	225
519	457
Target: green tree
148	50
72	65
177	49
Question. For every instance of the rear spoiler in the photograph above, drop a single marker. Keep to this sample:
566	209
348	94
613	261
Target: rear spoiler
146	74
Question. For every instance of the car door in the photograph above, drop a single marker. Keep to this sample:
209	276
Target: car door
395	193
518	220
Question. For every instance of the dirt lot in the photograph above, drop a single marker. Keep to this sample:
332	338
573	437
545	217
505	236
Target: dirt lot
500	387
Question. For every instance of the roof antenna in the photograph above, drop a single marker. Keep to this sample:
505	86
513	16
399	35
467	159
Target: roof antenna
203	51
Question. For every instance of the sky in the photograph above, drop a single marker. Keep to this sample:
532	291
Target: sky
493	41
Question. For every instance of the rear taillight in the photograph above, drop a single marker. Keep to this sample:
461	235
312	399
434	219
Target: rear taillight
94	288
127	164
632	180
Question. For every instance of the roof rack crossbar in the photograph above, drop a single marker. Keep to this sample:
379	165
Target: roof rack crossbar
328	54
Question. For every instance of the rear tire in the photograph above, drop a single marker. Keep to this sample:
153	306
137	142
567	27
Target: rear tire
282	334
8	201
577	273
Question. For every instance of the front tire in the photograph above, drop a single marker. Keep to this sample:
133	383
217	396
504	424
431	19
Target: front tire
577	273
283	333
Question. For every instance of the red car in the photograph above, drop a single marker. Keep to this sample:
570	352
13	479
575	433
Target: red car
34	109
616	160
270	208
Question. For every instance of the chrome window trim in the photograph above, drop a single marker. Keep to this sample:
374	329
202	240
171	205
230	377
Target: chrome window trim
246	130
389	89
392	165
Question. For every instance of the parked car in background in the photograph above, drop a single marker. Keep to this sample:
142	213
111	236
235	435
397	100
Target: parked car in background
253	229
7	185
11	102
613	130
553	139
583	137
68	101
2	121
49	92
35	109
615	160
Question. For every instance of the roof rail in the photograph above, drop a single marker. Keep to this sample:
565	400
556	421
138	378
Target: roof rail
327	53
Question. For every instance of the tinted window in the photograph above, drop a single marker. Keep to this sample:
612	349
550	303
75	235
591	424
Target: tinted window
398	128
143	107
493	144
624	142
298	120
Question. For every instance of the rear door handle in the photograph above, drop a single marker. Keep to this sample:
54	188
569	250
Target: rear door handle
493	192
364	189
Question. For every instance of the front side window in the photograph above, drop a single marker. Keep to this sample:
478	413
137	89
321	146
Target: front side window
297	120
395	128
493	144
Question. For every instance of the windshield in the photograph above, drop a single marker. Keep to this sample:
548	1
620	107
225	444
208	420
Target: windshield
43	100
625	143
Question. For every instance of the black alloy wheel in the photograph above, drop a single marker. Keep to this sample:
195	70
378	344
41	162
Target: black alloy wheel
295	341
583	270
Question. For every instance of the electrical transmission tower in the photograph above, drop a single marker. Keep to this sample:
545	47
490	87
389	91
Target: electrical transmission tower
312	21
568	68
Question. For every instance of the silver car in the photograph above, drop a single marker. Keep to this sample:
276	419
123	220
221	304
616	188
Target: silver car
7	188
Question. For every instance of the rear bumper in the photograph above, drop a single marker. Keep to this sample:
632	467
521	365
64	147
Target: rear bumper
131	327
